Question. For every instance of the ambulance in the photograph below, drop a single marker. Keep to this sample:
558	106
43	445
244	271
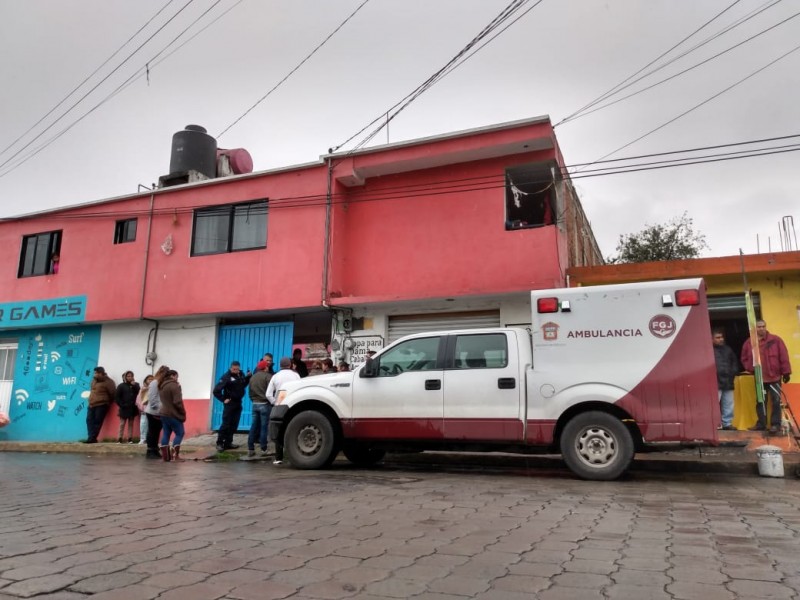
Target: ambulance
604	372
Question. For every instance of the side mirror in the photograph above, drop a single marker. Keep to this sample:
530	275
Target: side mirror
370	368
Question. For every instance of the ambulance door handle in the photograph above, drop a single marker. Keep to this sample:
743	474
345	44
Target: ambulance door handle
433	384
506	383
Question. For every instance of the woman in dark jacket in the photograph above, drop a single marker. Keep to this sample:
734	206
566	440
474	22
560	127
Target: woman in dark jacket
127	391
173	415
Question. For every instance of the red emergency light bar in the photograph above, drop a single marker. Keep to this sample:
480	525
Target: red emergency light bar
547	305
687	297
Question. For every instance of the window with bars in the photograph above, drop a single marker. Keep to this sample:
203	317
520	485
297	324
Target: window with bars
230	228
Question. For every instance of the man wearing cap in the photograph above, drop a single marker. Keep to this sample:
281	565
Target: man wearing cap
285	375
261	408
101	395
230	390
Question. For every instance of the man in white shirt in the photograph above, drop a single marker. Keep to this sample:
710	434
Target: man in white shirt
283	376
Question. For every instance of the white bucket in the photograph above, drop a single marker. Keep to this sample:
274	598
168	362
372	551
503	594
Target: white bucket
770	461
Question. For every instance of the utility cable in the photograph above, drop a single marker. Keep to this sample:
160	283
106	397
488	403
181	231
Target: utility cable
87	78
505	14
652	62
290	73
21	160
469	185
699	104
103	80
696	65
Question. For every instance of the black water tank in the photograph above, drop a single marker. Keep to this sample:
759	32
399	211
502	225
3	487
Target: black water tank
194	150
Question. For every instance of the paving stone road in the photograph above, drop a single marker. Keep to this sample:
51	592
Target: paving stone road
121	528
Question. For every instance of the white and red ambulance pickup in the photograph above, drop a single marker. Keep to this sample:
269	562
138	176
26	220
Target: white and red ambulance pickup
606	371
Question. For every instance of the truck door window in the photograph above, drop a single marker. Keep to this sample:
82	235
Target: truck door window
484	350
413	355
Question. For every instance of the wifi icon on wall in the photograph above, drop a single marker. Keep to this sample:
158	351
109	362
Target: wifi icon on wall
54	356
21	396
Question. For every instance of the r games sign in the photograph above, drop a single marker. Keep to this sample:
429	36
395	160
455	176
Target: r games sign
54	311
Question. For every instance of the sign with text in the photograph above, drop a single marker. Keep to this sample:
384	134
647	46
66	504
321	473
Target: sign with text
35	313
362	345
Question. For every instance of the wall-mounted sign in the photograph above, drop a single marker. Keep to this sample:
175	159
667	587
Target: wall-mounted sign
35	313
361	345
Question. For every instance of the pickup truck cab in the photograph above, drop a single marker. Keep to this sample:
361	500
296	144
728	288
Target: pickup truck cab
604	371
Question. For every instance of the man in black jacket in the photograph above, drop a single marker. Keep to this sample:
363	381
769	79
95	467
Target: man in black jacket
230	390
727	368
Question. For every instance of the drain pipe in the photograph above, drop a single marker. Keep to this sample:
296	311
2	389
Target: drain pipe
150	355
327	249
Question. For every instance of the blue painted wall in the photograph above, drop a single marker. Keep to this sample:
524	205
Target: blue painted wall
52	375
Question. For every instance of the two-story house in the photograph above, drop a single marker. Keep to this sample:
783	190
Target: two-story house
345	254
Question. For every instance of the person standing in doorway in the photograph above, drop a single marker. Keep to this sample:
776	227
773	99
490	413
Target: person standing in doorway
727	368
101	395
230	390
299	366
775	368
285	375
261	409
126	395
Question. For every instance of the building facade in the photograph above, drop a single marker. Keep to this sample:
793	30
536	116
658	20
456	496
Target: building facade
340	256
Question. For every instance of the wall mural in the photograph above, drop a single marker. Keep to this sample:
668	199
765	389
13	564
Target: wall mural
53	371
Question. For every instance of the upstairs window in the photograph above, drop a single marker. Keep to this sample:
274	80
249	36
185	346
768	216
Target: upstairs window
125	231
230	228
39	254
530	196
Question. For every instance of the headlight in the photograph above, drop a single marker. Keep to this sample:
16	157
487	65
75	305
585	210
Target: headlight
281	396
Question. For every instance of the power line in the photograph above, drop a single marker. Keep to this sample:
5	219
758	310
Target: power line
103	80
87	78
614	89
698	105
696	65
22	160
452	64
464	185
290	73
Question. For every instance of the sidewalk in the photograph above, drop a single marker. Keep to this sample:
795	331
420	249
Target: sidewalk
736	455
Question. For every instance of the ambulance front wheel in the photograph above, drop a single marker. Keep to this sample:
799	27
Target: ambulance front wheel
596	445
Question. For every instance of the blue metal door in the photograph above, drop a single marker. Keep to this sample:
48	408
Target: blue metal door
248	344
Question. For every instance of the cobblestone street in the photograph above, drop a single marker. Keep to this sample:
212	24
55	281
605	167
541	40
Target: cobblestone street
121	527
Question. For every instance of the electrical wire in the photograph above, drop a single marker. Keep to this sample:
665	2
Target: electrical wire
702	103
633	79
87	78
19	161
453	63
443	188
290	73
678	74
103	80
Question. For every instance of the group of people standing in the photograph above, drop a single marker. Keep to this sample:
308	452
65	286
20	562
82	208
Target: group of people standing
158	403
775	369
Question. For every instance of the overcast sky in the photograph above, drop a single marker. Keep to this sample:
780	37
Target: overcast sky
554	60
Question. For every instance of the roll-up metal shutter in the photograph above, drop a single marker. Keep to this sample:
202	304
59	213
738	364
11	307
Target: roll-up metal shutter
732	303
402	325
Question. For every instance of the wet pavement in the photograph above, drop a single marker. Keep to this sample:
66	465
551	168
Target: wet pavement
119	526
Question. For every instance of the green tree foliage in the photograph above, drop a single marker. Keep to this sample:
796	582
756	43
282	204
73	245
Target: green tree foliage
673	240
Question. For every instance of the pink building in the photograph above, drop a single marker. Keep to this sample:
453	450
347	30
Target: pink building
350	252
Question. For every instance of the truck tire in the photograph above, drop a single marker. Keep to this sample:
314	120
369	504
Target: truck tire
363	455
597	446
310	441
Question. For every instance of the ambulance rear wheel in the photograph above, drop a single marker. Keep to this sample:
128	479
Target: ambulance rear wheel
596	445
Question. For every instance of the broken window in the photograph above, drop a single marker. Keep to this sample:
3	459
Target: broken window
531	196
